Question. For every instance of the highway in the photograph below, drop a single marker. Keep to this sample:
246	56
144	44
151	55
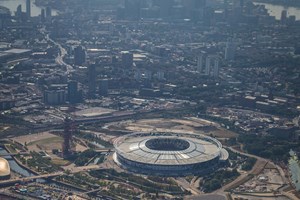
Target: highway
60	57
63	52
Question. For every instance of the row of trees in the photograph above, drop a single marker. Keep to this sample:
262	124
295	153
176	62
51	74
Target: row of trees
216	180
268	146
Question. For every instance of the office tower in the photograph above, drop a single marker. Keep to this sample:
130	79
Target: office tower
103	87
230	50
194	8
161	75
148	74
28	8
127	59
242	3
19	12
92	81
166	8
73	95
43	15
207	65
283	15
137	75
132	9
200	64
216	68
48	12
54	97
79	55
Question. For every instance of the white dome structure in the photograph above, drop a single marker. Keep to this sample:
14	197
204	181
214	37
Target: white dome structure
4	169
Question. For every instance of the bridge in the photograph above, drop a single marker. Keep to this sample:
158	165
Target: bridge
92	191
14	154
103	150
30	178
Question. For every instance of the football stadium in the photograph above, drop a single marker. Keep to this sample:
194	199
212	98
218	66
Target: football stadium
169	154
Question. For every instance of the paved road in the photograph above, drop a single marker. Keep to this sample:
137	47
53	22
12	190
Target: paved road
186	185
60	57
63	52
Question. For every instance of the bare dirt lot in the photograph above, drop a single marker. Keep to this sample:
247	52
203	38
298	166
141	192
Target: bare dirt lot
44	141
188	125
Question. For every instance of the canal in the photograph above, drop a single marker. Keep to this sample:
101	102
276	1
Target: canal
14	165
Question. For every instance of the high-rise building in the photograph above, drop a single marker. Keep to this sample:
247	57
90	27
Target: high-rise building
103	87
127	59
216	68
28	8
19	11
79	55
74	95
207	65
132	9
283	15
54	97
166	8
92	81
161	75
194	8
200	64
230	50
48	12
43	15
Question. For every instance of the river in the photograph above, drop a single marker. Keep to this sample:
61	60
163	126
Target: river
13	4
275	10
14	165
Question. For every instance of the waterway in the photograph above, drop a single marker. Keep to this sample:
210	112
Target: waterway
13	4
275	10
14	165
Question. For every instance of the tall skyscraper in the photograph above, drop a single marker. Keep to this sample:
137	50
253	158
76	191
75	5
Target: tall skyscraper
166	8
127	59
19	11
216	68
230	50
194	8
43	15
92	81
200	64
28	8
283	15
73	94
208	65
48	12
132	9
79	55
54	97
103	87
